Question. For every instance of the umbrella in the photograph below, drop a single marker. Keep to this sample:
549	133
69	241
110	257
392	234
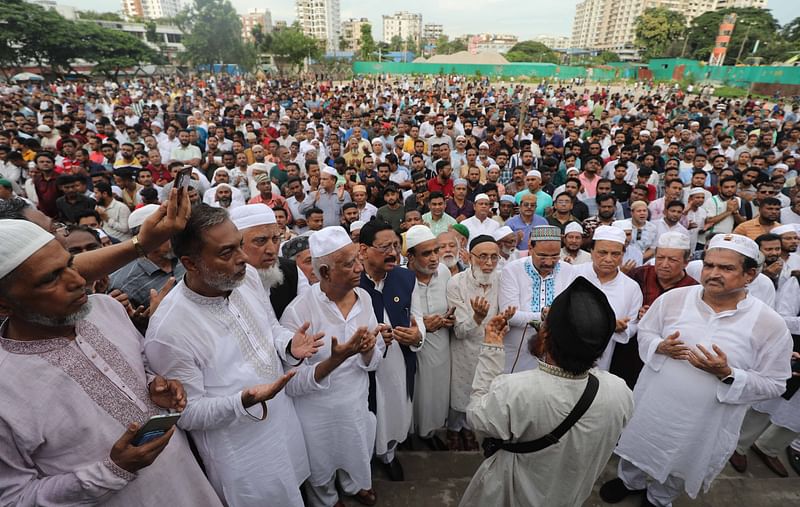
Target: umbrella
27	76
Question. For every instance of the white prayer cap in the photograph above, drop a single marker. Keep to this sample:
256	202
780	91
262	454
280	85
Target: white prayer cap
784	229
43	129
502	232
674	239
573	227
19	239
573	170
356	226
697	191
625	225
418	234
644	133
259	166
534	172
493	166
781	166
737	243
330	171
377	140
328	240
156	123
609	233
480	196
461	138
483	146
137	218
251	215
220	170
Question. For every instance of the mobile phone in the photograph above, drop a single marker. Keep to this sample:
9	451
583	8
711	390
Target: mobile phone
154	428
796	365
450	312
183	177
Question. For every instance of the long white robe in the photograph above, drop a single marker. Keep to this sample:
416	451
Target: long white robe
467	336
217	347
432	383
625	297
516	289
686	422
338	427
63	405
528	405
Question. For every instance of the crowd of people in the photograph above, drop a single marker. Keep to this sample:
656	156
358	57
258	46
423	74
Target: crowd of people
555	273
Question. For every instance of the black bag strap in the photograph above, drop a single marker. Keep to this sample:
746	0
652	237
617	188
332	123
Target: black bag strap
492	445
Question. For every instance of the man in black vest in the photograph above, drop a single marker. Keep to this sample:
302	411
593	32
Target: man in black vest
394	301
261	237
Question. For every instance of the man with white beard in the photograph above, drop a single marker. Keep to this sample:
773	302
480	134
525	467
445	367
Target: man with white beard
506	240
531	284
473	295
261	235
449	251
211	334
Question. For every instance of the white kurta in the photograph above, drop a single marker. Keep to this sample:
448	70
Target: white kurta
625	297
528	405
467	336
63	405
517	289
686	423
761	287
476	227
337	424
217	347
432	383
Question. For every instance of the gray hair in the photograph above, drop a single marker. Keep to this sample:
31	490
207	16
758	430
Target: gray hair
189	241
318	262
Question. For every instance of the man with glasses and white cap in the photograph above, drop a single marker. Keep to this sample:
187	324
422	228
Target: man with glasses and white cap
531	284
533	180
709	352
481	222
624	295
328	198
338	427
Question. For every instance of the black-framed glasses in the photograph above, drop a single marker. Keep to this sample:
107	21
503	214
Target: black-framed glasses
391	247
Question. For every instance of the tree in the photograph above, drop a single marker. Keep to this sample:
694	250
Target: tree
344	43
656	29
113	50
532	51
444	46
791	31
751	24
606	57
292	46
213	33
368	48
102	16
396	44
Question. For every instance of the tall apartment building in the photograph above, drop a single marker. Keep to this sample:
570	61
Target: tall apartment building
351	32
255	17
609	24
320	19
403	24
150	9
432	31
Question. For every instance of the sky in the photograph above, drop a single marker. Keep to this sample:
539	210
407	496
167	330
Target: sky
458	17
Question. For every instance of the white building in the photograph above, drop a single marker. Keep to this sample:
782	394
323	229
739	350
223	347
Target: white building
553	41
432	31
169	36
351	32
610	24
499	43
150	9
255	17
403	24
66	11
320	19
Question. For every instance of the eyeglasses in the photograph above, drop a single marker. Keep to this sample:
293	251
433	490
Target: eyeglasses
482	258
527	205
392	247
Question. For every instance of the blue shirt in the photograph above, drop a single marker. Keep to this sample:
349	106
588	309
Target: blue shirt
516	224
543	200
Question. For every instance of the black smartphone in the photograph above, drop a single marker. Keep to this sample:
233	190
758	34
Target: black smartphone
154	428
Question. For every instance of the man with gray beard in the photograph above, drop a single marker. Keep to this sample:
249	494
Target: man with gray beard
74	390
449	251
262	237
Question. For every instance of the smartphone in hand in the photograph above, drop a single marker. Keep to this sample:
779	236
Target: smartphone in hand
155	427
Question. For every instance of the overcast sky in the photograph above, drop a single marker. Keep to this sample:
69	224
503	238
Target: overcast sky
523	19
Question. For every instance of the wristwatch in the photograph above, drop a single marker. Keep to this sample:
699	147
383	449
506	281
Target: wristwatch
728	380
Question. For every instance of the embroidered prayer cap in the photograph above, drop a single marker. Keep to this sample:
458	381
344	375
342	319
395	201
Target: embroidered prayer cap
461	229
330	171
294	246
328	240
784	229
508	198
609	233
534	172
356	226
418	234
696	191
545	233
459	181
673	239
502	232
258	178
625	225
19	239
573	227
481	197
737	243
581	321
482	238
137	218
251	215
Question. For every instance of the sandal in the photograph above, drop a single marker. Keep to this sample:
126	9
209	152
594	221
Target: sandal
454	441
366	497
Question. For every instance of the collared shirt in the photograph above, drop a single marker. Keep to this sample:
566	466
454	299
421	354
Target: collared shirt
753	228
517	224
137	278
438	226
644	237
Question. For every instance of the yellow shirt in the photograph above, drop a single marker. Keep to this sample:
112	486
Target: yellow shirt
753	228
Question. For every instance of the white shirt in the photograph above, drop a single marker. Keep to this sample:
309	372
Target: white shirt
217	347
788	216
476	227
704	415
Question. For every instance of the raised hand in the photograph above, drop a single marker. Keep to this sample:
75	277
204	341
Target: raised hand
480	308
622	325
673	347
167	393
264	392
170	218
495	330
305	345
433	322
133	458
715	363
409	336
351	347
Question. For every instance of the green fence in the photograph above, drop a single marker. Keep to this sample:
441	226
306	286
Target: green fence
662	70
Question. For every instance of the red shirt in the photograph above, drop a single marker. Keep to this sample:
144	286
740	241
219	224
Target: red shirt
435	186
